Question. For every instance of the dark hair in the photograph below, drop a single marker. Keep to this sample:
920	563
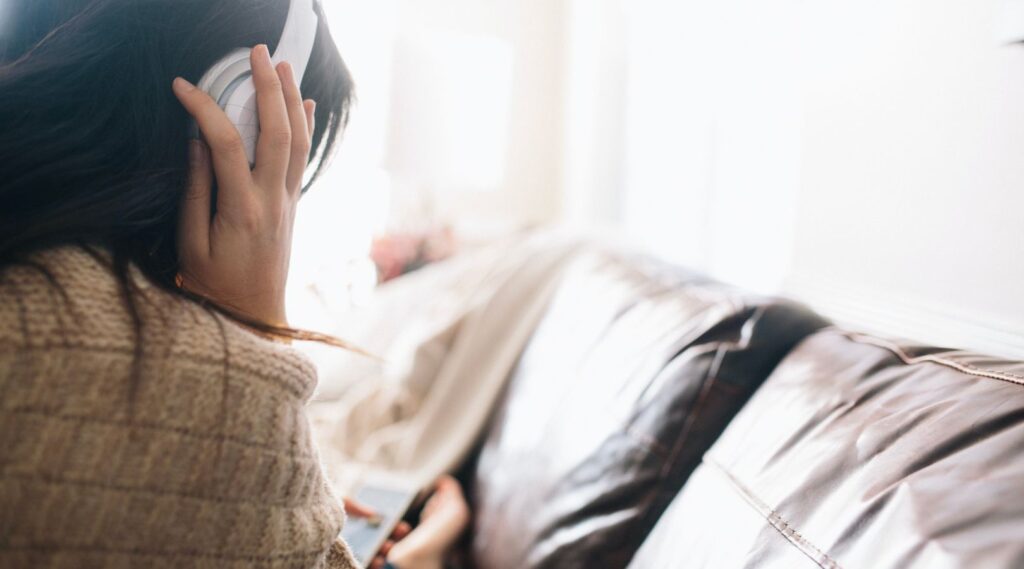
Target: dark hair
94	146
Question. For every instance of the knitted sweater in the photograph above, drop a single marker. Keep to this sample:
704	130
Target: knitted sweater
202	459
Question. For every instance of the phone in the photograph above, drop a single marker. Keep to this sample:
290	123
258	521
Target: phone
366	536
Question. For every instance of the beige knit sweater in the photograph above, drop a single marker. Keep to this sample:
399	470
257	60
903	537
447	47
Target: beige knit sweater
211	466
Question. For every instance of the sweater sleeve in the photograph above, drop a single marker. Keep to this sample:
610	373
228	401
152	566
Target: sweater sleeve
340	557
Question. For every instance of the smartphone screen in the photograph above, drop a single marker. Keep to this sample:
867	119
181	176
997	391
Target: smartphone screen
365	537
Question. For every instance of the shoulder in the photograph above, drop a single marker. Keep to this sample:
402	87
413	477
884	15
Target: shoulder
71	306
70	352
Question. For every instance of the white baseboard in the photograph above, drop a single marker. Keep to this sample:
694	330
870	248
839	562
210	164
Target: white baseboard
884	314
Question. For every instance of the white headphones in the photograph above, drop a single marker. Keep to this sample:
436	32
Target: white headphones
229	81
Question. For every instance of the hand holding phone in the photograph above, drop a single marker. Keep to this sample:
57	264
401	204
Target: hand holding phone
443	519
359	511
368	535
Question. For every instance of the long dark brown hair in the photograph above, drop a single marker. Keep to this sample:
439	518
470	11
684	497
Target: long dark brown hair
93	144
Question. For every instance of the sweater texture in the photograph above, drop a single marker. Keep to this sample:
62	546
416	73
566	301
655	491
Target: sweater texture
197	454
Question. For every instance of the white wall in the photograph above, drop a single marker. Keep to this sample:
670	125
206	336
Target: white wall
713	147
913	168
865	156
594	111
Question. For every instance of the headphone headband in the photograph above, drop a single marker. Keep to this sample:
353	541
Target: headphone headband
298	36
229	81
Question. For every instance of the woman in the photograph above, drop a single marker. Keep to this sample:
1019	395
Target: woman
151	414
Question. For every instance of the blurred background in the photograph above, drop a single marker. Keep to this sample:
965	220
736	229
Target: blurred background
866	157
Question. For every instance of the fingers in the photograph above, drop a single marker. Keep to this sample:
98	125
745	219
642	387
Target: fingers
448	481
228	152
275	142
299	123
358	510
380	560
401	530
194	217
310	106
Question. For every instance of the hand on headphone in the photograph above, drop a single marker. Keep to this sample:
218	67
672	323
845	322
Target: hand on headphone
238	257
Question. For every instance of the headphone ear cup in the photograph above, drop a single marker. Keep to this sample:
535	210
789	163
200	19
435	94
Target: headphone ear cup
221	80
225	72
